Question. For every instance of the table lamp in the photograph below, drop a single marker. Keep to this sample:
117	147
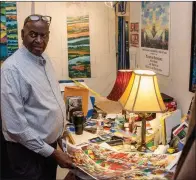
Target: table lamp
122	80
142	96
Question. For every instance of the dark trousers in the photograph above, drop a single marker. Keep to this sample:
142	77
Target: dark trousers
28	165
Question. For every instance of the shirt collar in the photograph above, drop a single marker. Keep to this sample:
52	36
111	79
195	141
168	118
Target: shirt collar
38	59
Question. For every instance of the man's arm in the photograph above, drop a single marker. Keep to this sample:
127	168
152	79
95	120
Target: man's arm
14	120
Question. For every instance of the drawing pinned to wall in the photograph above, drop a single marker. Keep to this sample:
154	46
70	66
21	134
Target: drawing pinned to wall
8	30
155	29
78	47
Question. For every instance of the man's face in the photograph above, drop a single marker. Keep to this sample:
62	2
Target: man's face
35	36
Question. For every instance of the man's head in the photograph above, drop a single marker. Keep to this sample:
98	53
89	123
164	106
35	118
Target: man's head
35	33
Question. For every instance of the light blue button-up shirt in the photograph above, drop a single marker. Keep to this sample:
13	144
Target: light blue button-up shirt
32	108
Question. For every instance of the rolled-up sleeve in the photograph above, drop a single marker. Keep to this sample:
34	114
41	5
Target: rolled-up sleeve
14	90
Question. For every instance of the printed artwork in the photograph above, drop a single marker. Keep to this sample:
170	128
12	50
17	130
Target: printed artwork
73	103
8	30
78	47
155	25
102	163
134	34
155	29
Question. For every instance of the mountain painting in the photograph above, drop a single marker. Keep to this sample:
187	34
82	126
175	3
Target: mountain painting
78	47
8	30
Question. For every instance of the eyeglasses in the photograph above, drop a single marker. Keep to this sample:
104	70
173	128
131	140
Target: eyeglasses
37	17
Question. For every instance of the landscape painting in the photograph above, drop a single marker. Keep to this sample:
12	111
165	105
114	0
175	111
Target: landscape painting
8	30
78	47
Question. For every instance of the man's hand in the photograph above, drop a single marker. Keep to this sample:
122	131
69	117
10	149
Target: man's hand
60	143
63	160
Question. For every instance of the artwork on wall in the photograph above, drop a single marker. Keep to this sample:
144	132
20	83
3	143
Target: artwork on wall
192	83
155	29
78	47
134	34
9	32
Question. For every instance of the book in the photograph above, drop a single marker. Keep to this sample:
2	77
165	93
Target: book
181	132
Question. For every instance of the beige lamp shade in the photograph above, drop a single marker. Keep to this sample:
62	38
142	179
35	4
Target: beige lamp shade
142	93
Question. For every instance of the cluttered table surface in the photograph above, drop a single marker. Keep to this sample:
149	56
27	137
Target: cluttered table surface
110	154
107	145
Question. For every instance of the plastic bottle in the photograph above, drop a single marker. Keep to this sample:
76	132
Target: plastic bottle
114	126
100	124
126	128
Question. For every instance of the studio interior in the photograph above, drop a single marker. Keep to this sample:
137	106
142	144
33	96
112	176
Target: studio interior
126	74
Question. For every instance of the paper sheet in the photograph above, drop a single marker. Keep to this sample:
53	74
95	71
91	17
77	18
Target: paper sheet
108	106
103	163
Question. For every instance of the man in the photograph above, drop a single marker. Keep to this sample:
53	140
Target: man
32	107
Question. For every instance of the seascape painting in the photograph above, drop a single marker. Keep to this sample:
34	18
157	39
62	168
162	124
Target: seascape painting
78	47
9	32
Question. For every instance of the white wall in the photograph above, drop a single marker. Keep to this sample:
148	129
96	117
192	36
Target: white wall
102	43
177	84
102	38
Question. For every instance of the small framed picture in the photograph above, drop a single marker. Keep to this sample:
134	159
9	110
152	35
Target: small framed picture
135	40
132	27
73	103
136	27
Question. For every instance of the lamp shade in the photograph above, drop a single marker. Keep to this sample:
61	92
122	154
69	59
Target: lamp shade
122	80
142	93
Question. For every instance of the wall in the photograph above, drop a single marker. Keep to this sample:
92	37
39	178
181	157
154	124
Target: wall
102	38
177	83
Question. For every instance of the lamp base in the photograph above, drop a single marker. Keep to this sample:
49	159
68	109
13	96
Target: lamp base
143	148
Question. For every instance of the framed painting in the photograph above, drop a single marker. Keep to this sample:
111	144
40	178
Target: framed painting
192	82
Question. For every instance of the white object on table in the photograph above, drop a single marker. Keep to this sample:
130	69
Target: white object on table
107	146
161	149
79	139
170	122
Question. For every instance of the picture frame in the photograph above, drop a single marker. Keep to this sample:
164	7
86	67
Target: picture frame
134	27
135	40
192	80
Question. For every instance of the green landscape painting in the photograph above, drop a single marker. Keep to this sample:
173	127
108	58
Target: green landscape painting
8	30
78	47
